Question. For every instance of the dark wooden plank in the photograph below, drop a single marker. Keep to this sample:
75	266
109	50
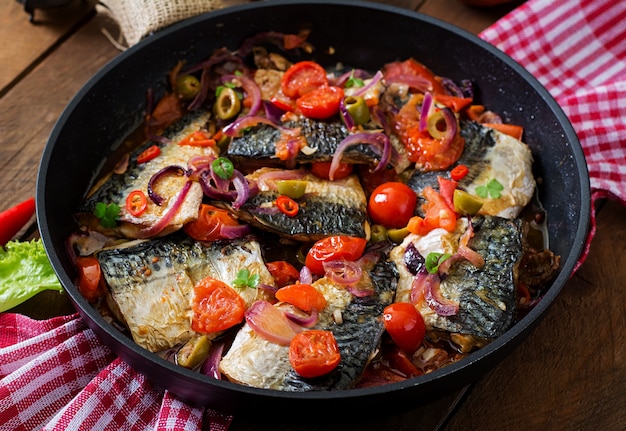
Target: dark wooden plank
24	44
570	374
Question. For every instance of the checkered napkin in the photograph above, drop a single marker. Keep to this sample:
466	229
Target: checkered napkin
577	50
57	375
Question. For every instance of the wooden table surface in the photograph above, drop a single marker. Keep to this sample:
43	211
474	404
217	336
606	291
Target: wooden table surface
570	374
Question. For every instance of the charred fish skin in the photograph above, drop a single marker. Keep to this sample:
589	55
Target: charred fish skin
151	282
116	187
358	334
258	146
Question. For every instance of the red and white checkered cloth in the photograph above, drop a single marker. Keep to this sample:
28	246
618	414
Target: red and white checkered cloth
577	50
56	375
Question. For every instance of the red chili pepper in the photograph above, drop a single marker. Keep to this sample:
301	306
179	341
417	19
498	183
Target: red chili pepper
136	203
14	218
149	154
459	172
287	206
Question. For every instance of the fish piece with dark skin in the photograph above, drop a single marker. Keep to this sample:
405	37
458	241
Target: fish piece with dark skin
150	283
355	321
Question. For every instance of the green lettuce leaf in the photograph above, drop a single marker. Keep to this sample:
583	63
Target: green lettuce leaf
24	272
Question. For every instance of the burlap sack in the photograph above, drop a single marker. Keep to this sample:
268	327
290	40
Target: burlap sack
139	18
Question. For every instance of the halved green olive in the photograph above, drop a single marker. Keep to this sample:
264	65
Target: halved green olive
227	104
397	235
466	204
358	109
378	232
193	352
436	124
293	188
187	86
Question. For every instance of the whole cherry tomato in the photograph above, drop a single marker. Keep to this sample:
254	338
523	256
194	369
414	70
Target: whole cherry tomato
335	247
405	325
392	204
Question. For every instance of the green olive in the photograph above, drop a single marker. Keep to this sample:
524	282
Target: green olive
379	233
293	188
397	235
187	86
227	104
193	352
466	204
358	109
436	124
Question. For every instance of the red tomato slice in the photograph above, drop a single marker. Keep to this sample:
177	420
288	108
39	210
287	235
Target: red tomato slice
208	225
148	154
302	295
283	272
216	306
335	247
392	204
322	169
302	77
405	325
136	203
89	277
314	353
320	103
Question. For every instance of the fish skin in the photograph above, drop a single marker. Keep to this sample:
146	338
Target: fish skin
150	283
254	361
488	154
327	208
258	146
486	295
116	187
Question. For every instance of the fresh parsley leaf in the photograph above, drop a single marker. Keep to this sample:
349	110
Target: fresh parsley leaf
434	259
245	279
354	81
491	189
108	214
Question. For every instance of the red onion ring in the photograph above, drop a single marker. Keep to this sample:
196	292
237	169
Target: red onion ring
168	216
301	318
436	301
266	180
211	365
235	128
375	79
157	199
378	141
250	87
427	106
342	272
270	323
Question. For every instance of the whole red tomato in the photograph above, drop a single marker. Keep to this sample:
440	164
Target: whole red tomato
392	204
405	325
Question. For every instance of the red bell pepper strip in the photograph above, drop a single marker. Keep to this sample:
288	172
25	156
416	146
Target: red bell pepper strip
13	219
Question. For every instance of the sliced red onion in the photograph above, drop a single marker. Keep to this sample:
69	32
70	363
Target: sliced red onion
232	232
211	365
437	302
451	127
250	87
301	318
272	112
427	106
172	169
271	323
345	114
464	250
168	216
235	128
204	90
412	81
375	79
342	272
242	189
267	180
341	80
379	141
306	276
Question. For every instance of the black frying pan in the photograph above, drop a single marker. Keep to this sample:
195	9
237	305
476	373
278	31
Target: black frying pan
362	35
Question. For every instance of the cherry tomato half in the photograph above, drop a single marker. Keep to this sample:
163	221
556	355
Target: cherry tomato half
405	325
334	248
321	103
208	225
136	203
392	204
302	295
283	272
89	277
216	306
322	169
302	77
314	353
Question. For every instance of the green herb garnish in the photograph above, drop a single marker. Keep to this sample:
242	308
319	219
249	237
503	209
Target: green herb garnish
108	214
434	259
223	168
354	81
246	279
492	189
